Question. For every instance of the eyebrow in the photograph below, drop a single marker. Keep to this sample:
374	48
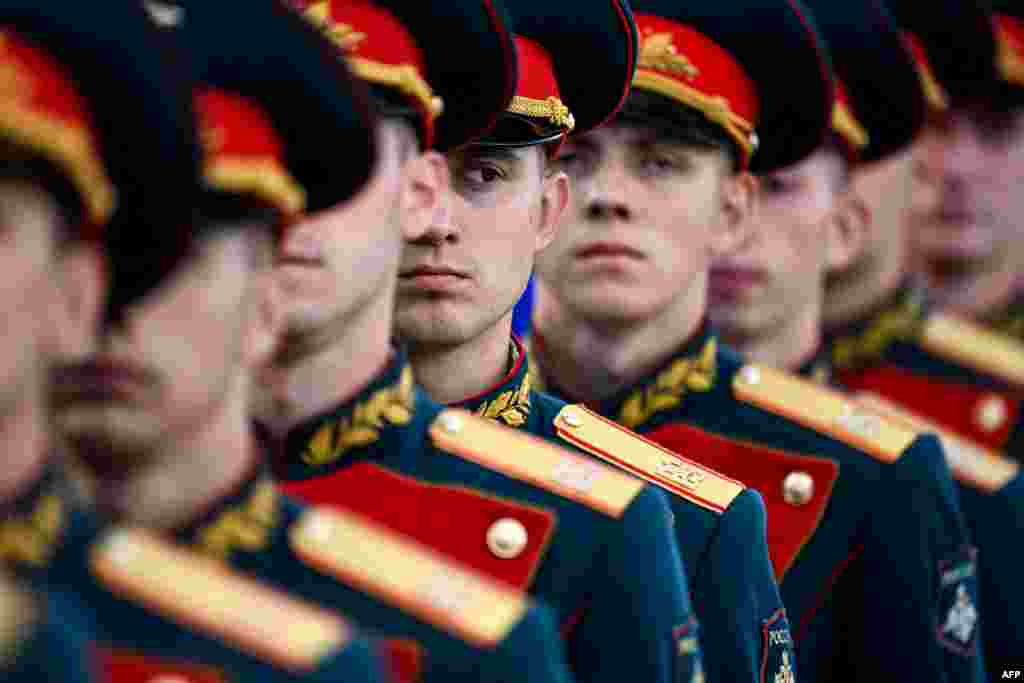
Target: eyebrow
493	153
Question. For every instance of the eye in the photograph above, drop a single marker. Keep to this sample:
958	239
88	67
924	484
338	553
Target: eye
658	164
482	175
773	184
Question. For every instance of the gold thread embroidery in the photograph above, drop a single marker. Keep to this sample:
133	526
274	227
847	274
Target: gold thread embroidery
31	540
391	405
511	407
342	35
900	323
264	178
669	388
847	125
1010	63
657	52
550	109
246	526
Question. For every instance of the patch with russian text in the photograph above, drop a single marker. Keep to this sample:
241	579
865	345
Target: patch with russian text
958	614
778	661
689	666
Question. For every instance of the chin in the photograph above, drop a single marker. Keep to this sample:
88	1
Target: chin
615	304
418	327
108	440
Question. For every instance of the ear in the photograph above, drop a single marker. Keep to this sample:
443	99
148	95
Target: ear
738	215
846	232
424	196
80	290
266	321
554	200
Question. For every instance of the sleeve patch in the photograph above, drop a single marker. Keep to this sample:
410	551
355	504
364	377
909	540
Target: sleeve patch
778	660
255	618
411	576
689	662
958	613
971	464
660	466
972	345
823	410
529	458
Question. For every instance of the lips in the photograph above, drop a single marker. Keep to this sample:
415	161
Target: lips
596	250
102	379
431	271
732	281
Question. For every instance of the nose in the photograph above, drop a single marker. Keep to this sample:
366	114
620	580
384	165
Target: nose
608	208
439	228
607	197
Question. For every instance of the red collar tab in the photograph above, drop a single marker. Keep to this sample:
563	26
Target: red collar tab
846	125
243	153
380	50
42	111
1010	37
681	63
537	94
934	93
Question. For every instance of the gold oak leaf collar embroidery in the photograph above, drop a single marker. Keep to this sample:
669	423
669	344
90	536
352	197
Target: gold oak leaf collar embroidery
246	526
696	373
511	407
391	405
32	539
658	52
902	322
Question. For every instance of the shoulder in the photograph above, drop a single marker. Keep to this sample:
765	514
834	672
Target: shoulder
822	410
665	468
963	342
534	461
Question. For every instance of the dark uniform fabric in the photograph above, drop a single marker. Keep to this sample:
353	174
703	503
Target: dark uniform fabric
887	353
614	577
865	594
725	553
54	544
253	530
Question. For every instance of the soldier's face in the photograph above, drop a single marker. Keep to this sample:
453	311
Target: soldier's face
49	298
464	271
776	277
968	206
176	363
646	217
334	265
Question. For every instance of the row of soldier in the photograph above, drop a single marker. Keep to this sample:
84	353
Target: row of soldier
264	416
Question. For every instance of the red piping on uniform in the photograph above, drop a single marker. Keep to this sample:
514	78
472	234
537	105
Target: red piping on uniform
805	620
508	376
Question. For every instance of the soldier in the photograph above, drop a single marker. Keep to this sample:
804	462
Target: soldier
885	339
173	449
462	273
965	232
359	435
91	103
662	192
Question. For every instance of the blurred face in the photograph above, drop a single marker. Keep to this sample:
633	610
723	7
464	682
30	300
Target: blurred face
647	216
167	368
49	298
968	207
462	275
778	272
335	264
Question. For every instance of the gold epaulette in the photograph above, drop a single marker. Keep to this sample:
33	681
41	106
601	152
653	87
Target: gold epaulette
207	596
976	347
970	463
528	458
407	574
18	617
625	449
823	410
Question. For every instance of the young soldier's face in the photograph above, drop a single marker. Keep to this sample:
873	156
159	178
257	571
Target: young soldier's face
778	272
967	209
49	300
464	272
646	218
167	368
334	265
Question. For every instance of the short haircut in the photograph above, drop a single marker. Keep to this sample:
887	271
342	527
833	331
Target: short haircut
678	122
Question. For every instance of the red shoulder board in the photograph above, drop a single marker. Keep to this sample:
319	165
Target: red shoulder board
405	660
982	415
125	666
502	539
796	488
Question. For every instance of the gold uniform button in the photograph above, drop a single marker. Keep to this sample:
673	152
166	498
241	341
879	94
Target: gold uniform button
991	413
451	423
750	375
507	538
571	418
797	488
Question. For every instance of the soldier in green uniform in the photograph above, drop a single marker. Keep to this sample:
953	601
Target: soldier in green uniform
884	340
965	222
159	415
462	273
359	435
663	193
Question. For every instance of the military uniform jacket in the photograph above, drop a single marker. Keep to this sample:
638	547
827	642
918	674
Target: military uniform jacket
593	543
438	621
874	581
151	603
947	376
719	524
